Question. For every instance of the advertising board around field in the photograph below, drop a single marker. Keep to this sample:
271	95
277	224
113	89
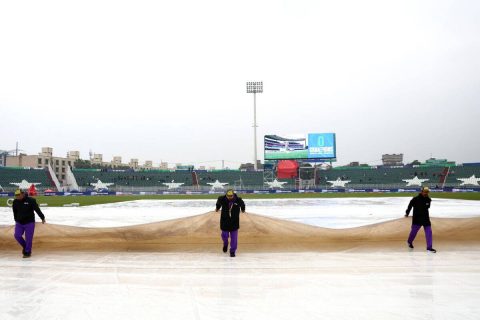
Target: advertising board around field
312	147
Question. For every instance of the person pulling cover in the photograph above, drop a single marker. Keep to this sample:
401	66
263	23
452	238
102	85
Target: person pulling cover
231	205
420	204
23	213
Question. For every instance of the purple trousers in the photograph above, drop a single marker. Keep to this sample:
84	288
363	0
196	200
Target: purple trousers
28	229
233	239
428	234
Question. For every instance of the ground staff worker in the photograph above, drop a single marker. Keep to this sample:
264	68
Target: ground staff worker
23	212
420	205
231	205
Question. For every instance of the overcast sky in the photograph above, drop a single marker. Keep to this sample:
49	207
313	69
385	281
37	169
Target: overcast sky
165	80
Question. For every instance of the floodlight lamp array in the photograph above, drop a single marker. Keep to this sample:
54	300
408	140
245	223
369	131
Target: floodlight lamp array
255	87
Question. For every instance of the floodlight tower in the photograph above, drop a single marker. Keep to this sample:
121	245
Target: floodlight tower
255	87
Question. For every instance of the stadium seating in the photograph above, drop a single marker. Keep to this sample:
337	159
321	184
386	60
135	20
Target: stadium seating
122	180
152	178
461	172
360	177
16	175
234	178
393	177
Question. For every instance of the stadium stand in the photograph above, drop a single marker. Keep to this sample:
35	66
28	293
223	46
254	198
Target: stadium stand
234	178
153	180
10	175
120	178
464	171
360	177
393	177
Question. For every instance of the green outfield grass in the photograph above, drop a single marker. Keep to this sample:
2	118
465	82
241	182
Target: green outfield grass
58	201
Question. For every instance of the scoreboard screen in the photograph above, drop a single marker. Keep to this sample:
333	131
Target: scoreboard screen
314	146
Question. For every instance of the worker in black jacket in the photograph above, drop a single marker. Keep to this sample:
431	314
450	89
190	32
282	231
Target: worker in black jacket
23	212
231	205
420	204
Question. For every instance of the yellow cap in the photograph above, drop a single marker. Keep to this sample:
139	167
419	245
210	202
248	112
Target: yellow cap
425	189
18	192
230	192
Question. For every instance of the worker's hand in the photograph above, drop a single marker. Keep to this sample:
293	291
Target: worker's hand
216	210
244	212
43	221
